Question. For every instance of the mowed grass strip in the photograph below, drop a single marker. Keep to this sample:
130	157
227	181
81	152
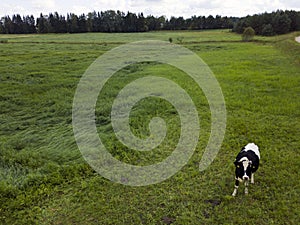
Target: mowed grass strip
45	180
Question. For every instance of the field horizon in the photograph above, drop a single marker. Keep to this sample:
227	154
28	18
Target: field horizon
44	179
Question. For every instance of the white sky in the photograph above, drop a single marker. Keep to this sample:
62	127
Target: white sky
186	8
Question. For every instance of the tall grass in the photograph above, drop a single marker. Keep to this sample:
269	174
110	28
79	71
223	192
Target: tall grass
44	179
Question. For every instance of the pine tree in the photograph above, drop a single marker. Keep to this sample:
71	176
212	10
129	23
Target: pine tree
281	23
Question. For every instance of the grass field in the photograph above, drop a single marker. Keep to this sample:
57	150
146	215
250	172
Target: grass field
45	180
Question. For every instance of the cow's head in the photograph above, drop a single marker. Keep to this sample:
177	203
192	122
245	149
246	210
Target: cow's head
243	168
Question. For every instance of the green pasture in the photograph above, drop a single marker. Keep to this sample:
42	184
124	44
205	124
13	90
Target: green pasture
45	180
109	38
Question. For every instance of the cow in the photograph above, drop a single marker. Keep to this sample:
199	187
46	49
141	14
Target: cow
246	164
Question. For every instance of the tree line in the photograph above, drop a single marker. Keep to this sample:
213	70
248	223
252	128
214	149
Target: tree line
108	21
269	24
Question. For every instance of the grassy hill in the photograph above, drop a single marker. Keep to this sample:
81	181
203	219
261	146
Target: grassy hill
45	180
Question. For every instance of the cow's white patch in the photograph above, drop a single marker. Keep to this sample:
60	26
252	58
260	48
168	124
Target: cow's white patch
240	179
244	159
246	163
252	178
253	147
235	190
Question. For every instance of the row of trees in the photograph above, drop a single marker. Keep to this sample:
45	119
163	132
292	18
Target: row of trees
279	22
17	25
108	21
268	24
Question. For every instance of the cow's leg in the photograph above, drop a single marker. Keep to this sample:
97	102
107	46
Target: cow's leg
252	178
246	186
236	186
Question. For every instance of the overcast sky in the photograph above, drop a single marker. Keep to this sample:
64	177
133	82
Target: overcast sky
185	8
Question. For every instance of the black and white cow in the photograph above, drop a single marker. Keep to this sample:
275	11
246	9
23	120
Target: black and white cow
246	163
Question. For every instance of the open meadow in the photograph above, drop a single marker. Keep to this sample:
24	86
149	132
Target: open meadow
45	180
